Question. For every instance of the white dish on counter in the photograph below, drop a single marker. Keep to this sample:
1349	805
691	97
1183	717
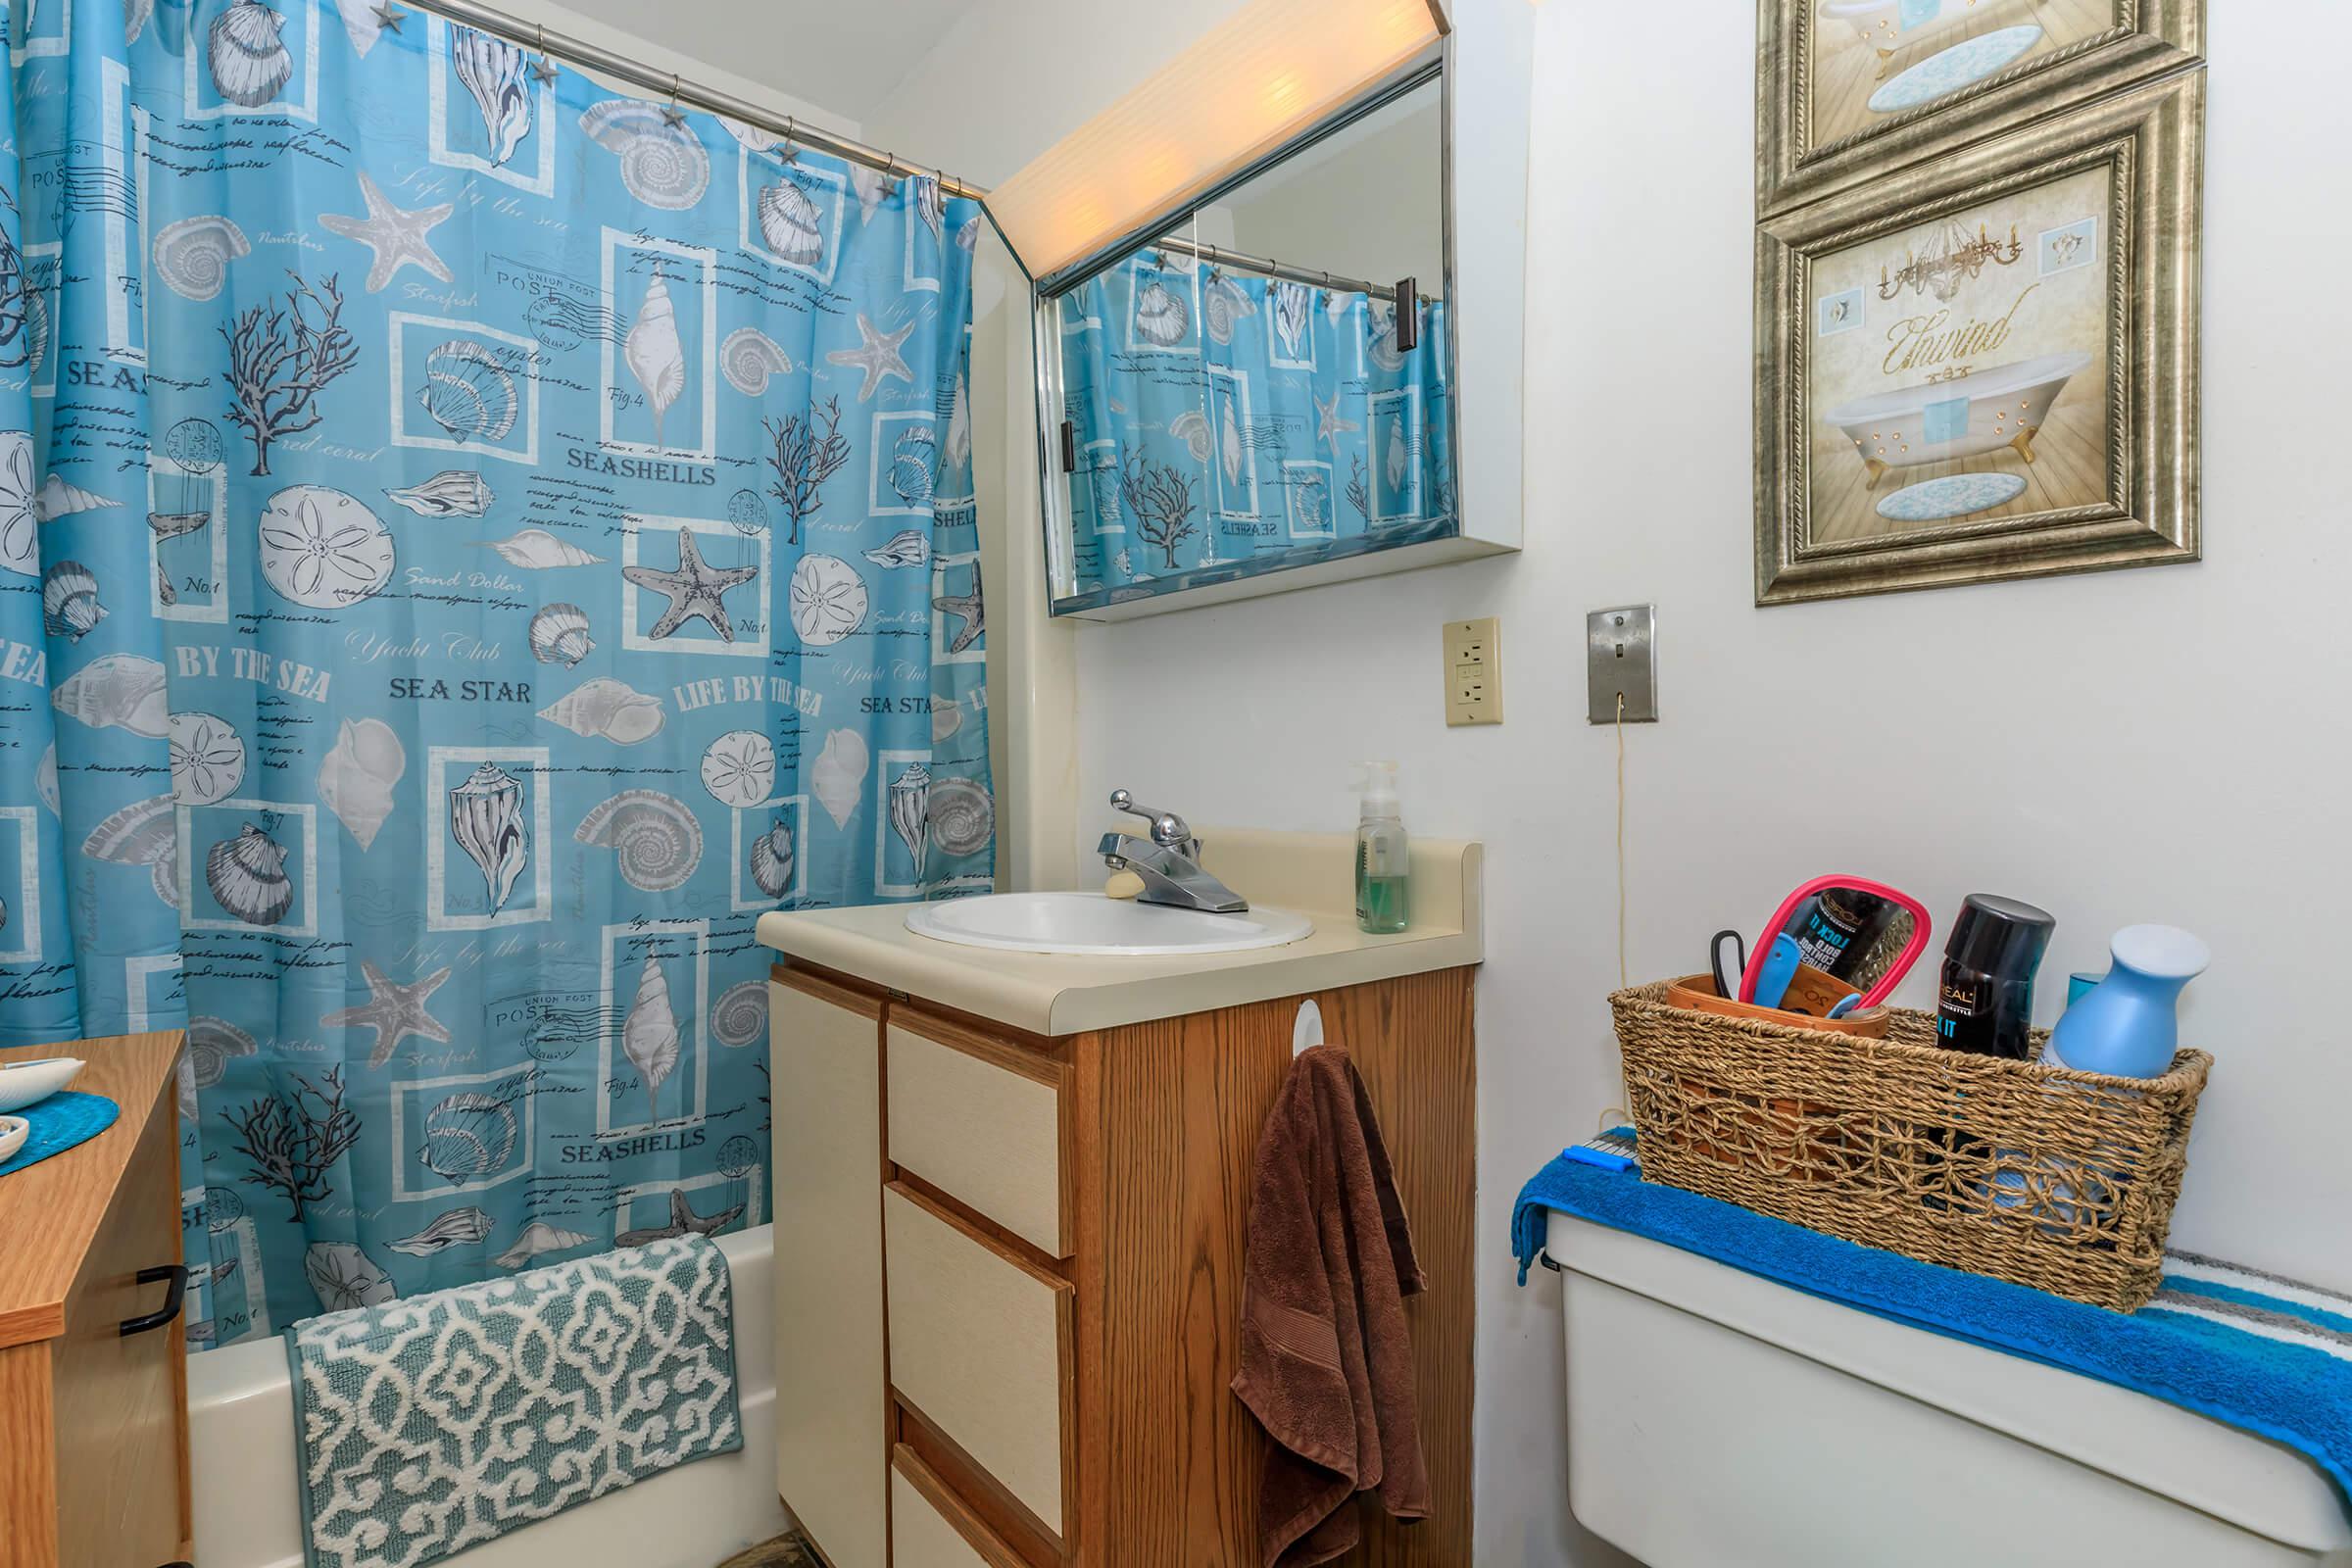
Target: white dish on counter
26	1083
1093	925
14	1130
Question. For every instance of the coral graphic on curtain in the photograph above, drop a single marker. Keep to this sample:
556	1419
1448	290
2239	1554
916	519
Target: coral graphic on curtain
469	543
1224	417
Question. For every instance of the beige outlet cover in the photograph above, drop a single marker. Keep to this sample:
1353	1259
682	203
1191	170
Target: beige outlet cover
1474	671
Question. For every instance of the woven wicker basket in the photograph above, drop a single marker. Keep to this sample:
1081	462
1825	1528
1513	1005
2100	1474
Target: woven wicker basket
2064	1181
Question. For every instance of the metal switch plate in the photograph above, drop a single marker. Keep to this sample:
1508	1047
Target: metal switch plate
1621	659
1474	671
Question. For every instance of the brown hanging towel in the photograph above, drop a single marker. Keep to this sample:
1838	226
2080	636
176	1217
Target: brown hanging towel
1327	1364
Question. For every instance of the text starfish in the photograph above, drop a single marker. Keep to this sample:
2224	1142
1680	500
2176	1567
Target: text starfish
878	355
396	236
693	589
1329	427
968	607
394	1012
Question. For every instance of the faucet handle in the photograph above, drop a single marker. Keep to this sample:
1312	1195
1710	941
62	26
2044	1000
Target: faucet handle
1168	830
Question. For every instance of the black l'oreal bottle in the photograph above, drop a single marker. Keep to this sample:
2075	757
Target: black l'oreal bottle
1986	1001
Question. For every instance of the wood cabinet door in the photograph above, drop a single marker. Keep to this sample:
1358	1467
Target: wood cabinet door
832	1384
121	1401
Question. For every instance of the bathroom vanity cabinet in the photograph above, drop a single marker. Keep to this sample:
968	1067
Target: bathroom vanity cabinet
1009	1258
93	1367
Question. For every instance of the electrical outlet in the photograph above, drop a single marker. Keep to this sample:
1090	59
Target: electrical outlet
1474	671
1621	653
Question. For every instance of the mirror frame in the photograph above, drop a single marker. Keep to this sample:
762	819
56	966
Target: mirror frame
1396	549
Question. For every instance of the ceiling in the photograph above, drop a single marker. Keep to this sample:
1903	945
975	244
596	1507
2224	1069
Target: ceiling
842	57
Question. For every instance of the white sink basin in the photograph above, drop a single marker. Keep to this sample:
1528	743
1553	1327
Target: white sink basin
1092	924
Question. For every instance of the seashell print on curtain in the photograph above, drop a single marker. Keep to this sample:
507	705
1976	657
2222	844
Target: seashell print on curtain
1225	416
470	544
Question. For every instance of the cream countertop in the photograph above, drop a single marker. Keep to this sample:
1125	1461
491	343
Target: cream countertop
1052	994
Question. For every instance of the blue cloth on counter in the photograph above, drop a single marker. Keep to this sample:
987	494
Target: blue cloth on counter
427	1426
2252	1351
57	1123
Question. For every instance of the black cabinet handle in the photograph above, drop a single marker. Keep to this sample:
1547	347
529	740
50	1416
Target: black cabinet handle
174	1292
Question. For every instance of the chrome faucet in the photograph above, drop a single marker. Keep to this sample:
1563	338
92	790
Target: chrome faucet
1168	863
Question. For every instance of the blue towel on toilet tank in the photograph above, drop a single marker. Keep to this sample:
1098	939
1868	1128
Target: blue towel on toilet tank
427	1426
2251	1350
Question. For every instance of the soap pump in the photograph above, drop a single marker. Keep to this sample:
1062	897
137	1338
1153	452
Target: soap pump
1382	860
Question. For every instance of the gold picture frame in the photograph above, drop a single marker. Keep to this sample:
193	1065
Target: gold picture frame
1988	366
1848	88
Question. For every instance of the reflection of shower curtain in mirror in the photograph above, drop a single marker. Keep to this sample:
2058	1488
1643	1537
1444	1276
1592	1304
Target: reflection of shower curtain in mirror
469	543
1222	417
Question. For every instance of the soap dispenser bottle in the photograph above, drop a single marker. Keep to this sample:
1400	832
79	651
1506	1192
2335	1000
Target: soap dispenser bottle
1381	858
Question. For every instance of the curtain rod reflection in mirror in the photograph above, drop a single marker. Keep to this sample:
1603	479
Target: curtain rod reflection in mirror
679	90
1266	267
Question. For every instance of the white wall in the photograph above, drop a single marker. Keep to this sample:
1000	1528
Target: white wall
2165	744
655	55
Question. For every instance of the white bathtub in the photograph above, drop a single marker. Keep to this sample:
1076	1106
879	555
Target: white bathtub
2007	406
241	1462
1881	21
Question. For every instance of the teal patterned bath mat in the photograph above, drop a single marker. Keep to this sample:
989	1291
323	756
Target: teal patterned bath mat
426	1427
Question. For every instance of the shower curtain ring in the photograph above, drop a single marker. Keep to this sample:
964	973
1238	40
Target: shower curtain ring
792	141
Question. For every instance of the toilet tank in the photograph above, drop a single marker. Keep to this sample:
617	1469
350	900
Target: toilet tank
1718	1418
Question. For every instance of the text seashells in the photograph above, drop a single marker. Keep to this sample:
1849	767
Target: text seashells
791	224
60	498
467	1136
457	1227
661	165
451	493
961	818
497	73
469	392
946	718
20	537
212	1042
207	759
344	1277
1223	305
959	425
70	606
1191	428
838	775
1396	453
741	1016
536	1241
357	777
1162	319
192	256
931	205
773	858
829	600
122	690
648	1035
249	57
1294	310
739	768
323	548
658	839
143	833
909	547
247	874
486	818
749	357
910	811
913	465
540	551
560	635
605	708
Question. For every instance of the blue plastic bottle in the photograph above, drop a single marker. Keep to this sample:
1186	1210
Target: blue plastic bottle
2129	1024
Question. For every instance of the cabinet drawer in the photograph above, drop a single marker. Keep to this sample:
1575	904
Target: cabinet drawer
981	1344
986	1122
930	1527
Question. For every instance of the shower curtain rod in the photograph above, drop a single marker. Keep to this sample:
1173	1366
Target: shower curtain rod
670	85
1217	254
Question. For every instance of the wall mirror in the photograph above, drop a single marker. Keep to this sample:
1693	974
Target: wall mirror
1259	391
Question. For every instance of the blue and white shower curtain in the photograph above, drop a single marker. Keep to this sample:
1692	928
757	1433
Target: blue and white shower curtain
469	543
1224	417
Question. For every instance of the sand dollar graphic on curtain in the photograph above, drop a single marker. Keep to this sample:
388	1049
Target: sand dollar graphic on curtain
470	544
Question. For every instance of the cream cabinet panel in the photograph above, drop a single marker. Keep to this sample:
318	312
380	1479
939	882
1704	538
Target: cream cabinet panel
982	1121
980	1343
832	1450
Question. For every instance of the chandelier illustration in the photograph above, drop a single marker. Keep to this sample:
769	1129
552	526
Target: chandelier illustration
1949	259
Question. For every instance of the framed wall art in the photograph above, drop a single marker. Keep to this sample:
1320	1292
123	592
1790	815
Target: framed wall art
1985	365
1851	87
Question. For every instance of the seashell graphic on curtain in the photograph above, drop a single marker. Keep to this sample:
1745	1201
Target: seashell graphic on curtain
612	460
